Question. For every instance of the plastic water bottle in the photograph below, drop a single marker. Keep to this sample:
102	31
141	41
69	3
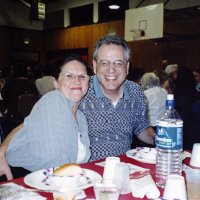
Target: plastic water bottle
169	142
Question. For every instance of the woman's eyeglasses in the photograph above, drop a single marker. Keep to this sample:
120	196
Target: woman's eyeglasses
70	77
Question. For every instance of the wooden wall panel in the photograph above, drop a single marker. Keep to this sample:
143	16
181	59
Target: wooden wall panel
146	54
182	48
81	37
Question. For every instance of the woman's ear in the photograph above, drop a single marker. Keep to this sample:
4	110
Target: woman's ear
55	83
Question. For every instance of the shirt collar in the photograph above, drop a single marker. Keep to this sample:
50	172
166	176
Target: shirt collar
98	91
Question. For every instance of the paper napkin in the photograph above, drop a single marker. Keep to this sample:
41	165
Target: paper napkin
144	186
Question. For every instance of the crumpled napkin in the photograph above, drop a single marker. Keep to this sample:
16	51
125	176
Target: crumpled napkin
12	191
144	186
133	168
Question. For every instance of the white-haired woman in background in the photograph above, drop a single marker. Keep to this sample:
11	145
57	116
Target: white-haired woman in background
156	96
172	73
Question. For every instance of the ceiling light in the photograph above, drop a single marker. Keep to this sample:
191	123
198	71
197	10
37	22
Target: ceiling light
113	6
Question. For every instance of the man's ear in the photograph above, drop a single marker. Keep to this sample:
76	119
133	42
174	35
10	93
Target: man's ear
95	66
127	68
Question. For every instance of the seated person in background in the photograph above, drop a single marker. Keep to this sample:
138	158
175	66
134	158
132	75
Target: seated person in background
56	131
135	74
186	96
172	73
2	83
160	71
44	83
196	74
156	96
17	86
29	74
115	108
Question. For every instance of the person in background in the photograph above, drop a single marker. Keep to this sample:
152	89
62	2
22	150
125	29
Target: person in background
44	83
172	73
185	96
56	131
156	96
29	73
160	71
15	87
2	83
115	108
196	105
164	63
196	74
135	74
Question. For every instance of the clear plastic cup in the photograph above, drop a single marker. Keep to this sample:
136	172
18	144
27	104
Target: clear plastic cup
193	183
108	191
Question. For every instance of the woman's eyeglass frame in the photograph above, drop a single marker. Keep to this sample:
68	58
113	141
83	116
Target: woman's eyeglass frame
71	77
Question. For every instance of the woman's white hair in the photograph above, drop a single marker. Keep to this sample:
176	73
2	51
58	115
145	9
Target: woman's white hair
171	68
149	80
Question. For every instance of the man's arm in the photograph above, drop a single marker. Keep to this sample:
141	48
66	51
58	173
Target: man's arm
4	167
147	136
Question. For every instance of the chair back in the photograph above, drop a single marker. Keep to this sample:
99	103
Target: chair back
25	104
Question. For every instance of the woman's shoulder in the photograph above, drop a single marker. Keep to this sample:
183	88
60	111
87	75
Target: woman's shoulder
53	96
52	100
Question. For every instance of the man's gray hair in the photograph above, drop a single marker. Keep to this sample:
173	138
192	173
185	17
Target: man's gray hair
150	80
110	39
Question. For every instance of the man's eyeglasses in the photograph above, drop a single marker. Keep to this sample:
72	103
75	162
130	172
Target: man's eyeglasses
106	64
70	77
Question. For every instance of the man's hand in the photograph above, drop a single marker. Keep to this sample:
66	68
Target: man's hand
4	167
147	136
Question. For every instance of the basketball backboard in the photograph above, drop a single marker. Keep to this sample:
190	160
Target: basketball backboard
144	23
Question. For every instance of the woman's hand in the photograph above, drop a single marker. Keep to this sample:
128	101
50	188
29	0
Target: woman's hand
4	167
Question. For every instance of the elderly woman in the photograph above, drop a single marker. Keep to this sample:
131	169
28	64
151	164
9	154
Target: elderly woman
56	131
156	96
172	73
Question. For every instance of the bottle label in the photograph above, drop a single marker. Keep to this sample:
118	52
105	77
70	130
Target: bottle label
169	138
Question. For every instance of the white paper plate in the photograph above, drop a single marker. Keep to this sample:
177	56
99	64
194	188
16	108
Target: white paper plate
39	179
143	154
148	155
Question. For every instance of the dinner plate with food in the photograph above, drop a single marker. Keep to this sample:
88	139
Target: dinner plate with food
67	175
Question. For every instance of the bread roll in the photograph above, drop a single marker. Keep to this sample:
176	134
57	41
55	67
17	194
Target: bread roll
68	170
